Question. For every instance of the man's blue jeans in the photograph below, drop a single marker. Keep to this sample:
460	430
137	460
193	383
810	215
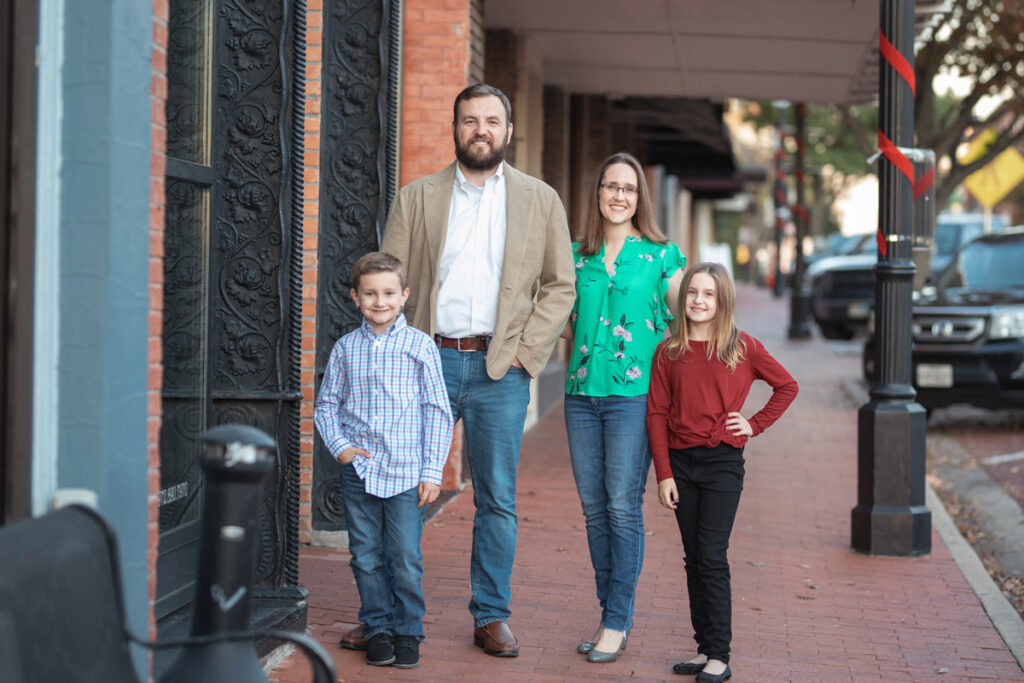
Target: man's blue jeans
384	539
610	460
493	413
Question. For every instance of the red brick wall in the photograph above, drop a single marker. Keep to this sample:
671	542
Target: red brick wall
310	245
437	63
442	53
158	154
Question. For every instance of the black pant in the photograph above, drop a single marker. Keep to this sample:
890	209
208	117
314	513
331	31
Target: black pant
710	481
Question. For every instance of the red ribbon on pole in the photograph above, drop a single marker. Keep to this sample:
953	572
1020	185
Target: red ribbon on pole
905	69
922	184
894	155
896	59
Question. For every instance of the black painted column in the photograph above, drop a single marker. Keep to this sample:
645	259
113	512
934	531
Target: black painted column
800	295
779	193
891	517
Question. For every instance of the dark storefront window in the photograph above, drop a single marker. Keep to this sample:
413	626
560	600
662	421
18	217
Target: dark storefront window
186	400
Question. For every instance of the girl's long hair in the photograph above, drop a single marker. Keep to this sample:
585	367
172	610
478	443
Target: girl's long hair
643	220
725	341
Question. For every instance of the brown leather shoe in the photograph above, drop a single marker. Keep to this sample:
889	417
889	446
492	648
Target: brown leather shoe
496	639
353	640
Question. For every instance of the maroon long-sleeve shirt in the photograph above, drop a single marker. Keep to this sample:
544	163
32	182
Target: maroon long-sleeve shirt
690	399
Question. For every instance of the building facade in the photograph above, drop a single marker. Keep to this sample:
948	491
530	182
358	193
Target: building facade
186	185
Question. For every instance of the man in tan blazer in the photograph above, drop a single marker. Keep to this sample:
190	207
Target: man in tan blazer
492	278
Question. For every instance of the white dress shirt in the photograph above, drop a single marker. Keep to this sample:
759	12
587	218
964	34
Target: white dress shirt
470	277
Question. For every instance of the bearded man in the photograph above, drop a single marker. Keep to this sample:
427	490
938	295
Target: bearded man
492	279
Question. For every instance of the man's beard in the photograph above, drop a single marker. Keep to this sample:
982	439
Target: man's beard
485	163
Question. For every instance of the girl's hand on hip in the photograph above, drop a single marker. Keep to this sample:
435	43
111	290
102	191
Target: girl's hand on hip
738	425
667	493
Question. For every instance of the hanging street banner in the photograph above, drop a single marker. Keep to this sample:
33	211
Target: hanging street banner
997	178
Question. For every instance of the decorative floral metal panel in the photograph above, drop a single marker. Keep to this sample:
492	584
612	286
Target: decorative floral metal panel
357	178
233	243
246	252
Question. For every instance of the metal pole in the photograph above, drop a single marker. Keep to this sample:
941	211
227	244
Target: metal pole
891	517
236	461
800	295
779	193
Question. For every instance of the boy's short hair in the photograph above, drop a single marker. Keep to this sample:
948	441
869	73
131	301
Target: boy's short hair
378	262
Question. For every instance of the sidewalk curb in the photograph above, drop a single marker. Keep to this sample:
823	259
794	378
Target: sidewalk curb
1002	614
1004	617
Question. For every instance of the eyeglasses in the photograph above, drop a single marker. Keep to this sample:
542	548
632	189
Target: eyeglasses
614	190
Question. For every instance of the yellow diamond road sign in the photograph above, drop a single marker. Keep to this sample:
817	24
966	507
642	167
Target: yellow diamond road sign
997	178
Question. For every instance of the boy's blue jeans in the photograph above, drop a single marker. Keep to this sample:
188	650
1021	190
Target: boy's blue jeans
384	539
493	413
610	460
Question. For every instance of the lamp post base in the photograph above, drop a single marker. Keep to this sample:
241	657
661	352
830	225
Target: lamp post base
800	326
891	517
879	530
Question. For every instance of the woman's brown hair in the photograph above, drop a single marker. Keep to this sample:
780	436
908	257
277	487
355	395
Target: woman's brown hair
725	341
643	220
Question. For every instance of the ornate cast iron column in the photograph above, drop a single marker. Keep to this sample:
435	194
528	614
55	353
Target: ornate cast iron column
891	517
295	93
800	295
358	179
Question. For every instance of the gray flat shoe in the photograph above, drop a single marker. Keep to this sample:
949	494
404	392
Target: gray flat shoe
598	657
586	646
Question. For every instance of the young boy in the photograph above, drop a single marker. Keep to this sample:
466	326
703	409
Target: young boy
383	412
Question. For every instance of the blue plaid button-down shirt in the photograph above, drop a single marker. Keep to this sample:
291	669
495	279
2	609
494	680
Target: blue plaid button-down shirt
386	394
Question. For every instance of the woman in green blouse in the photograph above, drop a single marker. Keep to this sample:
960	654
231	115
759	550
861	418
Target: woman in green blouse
627	277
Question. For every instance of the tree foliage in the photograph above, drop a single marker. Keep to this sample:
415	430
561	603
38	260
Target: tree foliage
838	145
979	40
983	41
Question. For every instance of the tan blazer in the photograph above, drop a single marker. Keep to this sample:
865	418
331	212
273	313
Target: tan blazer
537	276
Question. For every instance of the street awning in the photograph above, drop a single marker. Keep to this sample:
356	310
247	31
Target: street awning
815	51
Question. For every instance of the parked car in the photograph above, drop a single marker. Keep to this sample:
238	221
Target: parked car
969	328
836	244
843	289
953	230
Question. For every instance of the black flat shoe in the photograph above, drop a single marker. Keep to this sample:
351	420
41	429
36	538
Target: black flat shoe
687	668
705	677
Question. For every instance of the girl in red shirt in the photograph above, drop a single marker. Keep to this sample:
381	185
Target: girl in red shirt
700	378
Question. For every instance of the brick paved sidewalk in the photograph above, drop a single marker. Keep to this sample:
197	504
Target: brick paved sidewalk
806	607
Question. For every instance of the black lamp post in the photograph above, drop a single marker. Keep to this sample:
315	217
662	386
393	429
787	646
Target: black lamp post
800	294
779	192
891	517
237	459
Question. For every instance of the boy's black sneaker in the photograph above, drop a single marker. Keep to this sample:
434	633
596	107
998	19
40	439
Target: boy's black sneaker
407	652
380	649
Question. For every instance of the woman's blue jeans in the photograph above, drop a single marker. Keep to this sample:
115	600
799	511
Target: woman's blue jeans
610	460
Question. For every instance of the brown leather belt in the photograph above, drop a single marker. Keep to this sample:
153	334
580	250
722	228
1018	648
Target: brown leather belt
477	343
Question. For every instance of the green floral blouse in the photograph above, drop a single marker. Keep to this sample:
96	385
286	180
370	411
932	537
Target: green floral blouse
618	319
